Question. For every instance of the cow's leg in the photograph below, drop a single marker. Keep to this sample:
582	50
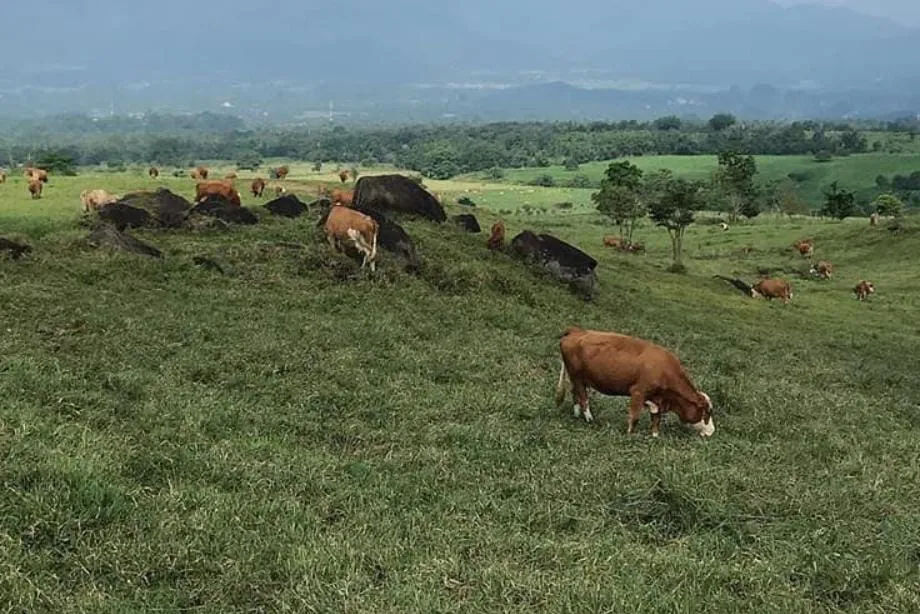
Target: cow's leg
580	392
636	403
656	417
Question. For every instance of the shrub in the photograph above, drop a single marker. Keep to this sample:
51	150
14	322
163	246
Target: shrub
544	181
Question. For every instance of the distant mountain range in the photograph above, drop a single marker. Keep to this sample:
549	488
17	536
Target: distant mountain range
382	61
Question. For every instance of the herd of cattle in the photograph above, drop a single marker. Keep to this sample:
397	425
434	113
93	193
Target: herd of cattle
613	364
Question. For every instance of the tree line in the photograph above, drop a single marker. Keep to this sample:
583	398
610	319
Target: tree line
436	151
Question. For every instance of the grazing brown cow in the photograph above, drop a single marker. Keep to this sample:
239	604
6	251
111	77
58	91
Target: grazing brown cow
863	289
634	248
874	219
280	190
224	189
257	187
347	225
611	241
343	197
343	176
35	188
824	269
723	226
154	172
2	177
497	238
771	289
282	172
618	365
806	247
94	199
230	176
199	174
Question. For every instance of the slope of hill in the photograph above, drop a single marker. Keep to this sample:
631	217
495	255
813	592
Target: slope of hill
286	437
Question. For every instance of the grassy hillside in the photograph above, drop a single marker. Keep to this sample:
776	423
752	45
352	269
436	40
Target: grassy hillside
853	172
288	436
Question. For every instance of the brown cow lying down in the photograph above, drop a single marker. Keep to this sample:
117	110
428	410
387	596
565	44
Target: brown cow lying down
648	374
497	238
93	199
347	225
771	289
863	289
224	189
824	269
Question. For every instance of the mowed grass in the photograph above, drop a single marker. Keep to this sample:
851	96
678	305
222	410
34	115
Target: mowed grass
857	172
294	436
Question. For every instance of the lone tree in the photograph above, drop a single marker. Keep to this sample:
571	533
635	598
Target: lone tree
672	207
619	197
735	180
722	121
888	205
838	202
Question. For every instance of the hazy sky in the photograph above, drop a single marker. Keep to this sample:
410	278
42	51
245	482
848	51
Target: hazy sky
904	11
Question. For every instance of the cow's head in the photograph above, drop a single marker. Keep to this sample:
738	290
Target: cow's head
704	425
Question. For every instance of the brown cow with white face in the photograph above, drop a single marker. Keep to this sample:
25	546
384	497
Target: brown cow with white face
771	289
497	238
619	365
257	187
345	225
863	289
824	269
199	174
36	174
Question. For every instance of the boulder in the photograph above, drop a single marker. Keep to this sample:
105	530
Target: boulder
467	222
123	216
563	261
14	249
224	210
286	206
106	235
166	209
397	194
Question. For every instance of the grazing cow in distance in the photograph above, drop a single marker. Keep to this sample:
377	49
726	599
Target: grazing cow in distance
806	247
230	176
94	199
824	269
281	172
154	172
199	174
343	176
279	189
35	188
874	219
619	365
634	248
2	177
723	226
257	187
344	225
343	197
863	289
223	189
497	238
771	289
611	241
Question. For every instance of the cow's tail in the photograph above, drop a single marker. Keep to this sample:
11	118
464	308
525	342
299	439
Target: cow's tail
560	385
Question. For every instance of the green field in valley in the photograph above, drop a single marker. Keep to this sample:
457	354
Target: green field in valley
856	172
290	435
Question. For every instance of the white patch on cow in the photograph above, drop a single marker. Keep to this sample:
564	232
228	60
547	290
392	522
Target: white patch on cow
655	434
576	409
652	408
708	400
705	430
